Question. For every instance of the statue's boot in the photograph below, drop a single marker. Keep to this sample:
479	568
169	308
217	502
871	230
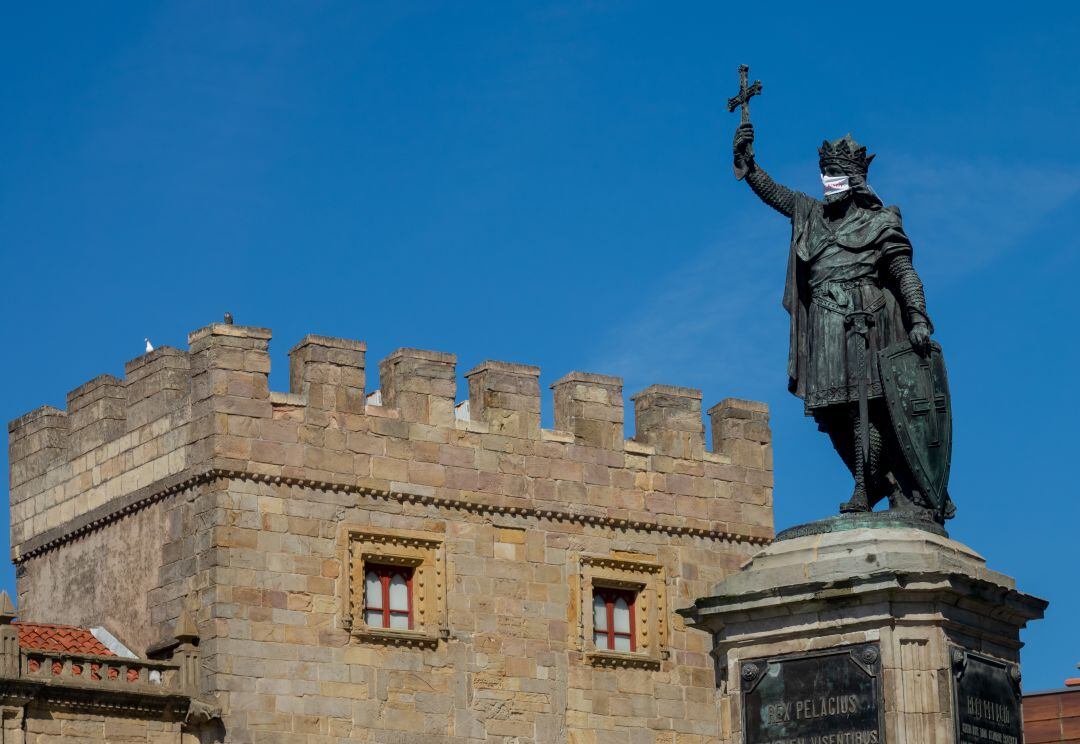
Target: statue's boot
857	503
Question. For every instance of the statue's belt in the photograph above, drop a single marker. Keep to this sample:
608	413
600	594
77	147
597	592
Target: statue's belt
836	296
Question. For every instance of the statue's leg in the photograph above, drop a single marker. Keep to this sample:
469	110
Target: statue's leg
876	470
849	422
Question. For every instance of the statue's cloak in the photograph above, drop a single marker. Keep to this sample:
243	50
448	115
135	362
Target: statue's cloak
877	228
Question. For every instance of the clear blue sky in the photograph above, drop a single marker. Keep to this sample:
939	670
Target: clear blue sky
551	183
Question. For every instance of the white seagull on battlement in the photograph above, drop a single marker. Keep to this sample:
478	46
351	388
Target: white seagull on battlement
149	346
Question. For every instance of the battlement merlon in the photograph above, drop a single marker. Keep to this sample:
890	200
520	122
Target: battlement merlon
328	373
178	415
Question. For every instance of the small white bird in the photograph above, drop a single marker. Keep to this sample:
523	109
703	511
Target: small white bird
149	346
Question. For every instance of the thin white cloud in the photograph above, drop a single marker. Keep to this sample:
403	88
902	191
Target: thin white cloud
964	215
704	321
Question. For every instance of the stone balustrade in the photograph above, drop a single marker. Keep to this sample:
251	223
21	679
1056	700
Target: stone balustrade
105	672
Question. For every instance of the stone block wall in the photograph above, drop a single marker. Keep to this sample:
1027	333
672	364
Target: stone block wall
46	726
115	439
510	664
249	506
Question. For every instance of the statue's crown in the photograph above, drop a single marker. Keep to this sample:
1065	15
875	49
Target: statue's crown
846	153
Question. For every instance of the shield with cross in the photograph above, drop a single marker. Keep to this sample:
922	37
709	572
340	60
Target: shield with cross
917	392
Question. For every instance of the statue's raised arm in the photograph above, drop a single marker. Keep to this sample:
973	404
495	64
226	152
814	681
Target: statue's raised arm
776	195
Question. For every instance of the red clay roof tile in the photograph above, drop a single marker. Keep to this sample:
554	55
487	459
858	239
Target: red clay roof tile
47	637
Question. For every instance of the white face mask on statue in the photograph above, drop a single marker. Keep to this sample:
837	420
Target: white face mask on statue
835	184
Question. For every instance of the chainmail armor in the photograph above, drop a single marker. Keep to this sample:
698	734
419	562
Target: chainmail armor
871	476
911	288
776	195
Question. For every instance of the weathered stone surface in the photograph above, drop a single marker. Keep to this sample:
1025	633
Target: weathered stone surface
506	397
591	407
740	430
156	382
55	727
329	373
669	418
419	385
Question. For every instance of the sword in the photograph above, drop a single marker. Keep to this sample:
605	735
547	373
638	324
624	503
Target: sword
859	322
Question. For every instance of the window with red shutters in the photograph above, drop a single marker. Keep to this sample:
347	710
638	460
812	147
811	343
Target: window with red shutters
613	619
388	597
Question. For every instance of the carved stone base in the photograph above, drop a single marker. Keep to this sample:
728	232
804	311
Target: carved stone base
870	635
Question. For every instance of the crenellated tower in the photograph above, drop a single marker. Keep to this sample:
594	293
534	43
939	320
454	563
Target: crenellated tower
189	483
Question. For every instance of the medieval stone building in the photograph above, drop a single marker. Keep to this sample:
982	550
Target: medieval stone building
326	564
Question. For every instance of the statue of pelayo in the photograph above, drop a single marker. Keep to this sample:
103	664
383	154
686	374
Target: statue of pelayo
861	356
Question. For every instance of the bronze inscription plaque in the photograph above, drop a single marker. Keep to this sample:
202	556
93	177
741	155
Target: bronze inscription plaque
824	697
987	699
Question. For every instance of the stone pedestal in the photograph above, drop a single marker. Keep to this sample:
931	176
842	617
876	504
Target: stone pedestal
865	636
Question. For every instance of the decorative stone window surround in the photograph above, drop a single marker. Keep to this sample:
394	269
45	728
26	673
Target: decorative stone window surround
425	554
647	580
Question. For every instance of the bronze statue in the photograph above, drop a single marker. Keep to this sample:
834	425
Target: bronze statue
861	357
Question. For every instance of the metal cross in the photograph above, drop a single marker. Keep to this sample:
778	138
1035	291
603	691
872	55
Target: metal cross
746	92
